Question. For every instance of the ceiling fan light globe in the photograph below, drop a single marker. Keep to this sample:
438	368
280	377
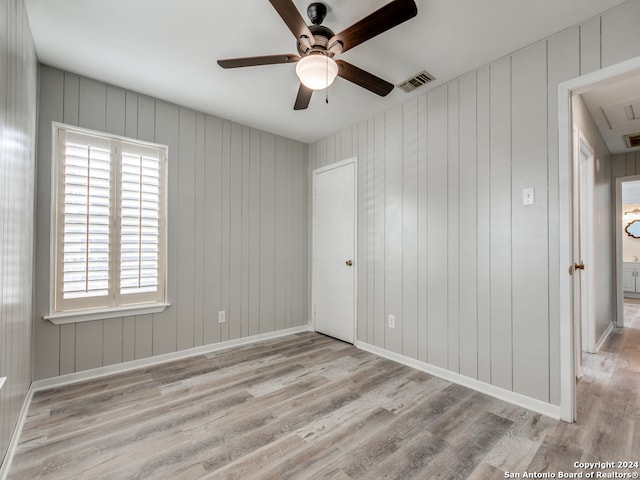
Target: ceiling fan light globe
316	72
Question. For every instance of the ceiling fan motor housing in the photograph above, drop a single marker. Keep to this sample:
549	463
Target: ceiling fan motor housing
320	41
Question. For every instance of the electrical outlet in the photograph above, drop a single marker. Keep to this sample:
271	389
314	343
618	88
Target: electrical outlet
221	317
392	321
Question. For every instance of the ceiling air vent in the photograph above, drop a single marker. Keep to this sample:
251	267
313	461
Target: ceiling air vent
419	79
632	140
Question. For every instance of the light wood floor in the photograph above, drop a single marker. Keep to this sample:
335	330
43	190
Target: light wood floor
307	406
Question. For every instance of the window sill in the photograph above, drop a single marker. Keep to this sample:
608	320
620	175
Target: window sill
104	313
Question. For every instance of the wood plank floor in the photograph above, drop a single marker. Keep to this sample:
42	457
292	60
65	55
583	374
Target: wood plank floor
307	406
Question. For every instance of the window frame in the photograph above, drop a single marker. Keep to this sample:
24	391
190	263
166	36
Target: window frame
79	310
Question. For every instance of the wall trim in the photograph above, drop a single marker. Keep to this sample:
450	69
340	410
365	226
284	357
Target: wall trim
529	403
604	337
15	436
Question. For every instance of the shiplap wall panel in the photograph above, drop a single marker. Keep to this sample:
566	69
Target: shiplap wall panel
530	317
423	254
212	231
409	198
500	214
621	35
246	226
46	335
371	223
437	241
200	242
280	267
223	182
112	341
254	233
67	349
380	324
484	224
267	232
300	246
115	110
453	230
234	323
70	99
590	50
18	96
330	154
362	246
468	227
88	346
131	115
163	324
226	238
630	160
186	200
563	63
393	251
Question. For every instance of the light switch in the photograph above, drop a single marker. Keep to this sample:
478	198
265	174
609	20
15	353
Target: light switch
527	196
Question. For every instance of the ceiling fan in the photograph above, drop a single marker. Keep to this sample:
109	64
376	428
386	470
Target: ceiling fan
317	45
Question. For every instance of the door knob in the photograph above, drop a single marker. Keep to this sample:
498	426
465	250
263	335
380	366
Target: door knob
349	263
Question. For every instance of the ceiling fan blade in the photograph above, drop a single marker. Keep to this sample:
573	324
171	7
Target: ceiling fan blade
291	16
253	61
303	98
363	78
383	19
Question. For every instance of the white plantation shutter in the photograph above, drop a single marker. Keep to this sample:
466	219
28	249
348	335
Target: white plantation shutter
140	222
109	220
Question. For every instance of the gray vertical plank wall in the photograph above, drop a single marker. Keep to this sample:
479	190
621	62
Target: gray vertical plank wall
18	95
237	218
470	273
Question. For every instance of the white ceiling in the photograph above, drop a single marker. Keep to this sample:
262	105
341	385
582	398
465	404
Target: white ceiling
168	49
615	109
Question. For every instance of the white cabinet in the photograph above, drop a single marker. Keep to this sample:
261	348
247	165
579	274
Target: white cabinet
631	277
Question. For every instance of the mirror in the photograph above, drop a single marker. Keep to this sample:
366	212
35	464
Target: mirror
633	229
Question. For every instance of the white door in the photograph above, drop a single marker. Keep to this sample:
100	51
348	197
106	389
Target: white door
333	250
586	254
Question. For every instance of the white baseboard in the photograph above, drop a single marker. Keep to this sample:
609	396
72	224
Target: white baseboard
158	359
496	392
15	437
604	337
124	367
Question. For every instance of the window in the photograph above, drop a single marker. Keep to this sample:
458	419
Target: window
109	223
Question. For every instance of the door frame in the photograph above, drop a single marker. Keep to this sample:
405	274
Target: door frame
566	213
351	160
619	251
